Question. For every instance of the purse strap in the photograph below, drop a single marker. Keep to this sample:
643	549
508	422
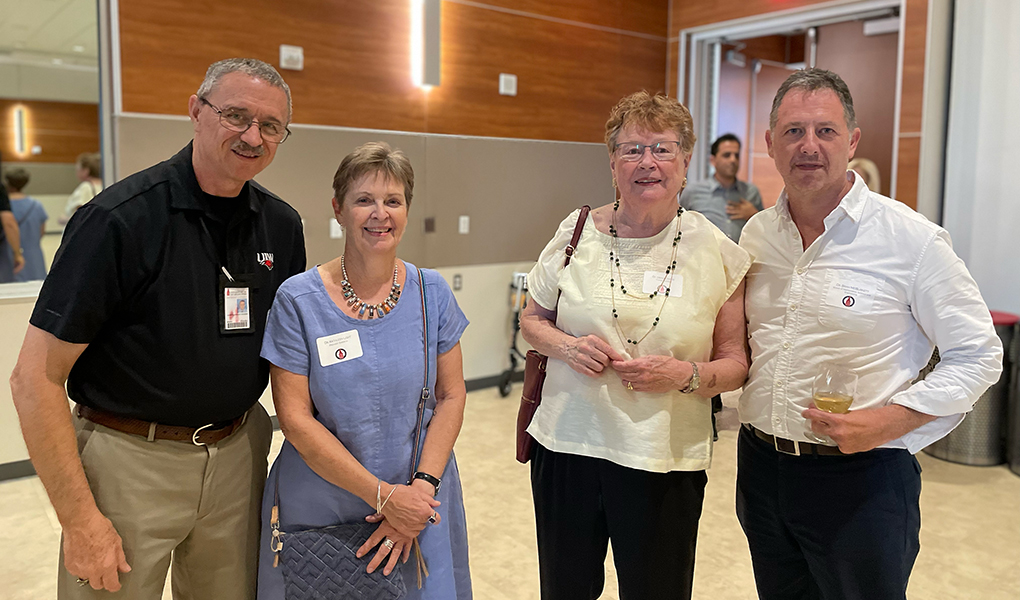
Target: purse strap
571	248
426	393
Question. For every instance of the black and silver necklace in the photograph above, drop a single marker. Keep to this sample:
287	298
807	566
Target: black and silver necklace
614	260
375	311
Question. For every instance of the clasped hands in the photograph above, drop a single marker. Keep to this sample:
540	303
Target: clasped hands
403	517
591	355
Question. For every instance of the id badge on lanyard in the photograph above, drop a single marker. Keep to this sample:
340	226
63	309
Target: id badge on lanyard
235	314
233	296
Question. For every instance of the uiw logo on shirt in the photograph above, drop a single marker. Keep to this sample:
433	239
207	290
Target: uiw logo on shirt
265	259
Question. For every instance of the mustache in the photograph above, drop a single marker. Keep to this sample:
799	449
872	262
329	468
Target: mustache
243	146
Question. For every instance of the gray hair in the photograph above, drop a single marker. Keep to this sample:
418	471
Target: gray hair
249	66
811	80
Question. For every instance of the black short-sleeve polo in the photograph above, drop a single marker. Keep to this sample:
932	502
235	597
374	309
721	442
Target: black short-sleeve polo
137	279
5	201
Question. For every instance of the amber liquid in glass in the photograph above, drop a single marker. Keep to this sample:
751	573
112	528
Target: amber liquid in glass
833	402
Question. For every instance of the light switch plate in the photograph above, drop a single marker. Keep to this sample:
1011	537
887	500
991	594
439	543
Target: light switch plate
464	224
507	84
292	57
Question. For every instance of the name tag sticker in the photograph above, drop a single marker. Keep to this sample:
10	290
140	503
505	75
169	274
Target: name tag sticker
339	347
658	281
852	292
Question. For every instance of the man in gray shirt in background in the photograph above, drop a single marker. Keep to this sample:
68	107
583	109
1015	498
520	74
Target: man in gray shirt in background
726	201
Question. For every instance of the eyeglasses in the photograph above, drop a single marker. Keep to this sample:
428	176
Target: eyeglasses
661	151
240	121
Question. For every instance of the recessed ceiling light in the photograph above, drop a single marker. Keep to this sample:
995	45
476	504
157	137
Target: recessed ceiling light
78	48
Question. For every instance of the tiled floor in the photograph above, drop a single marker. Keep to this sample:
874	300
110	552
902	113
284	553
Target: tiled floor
970	539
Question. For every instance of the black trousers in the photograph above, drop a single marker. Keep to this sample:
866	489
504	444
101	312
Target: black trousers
652	519
829	527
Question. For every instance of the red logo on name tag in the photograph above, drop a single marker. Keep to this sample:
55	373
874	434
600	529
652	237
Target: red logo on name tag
341	354
848	301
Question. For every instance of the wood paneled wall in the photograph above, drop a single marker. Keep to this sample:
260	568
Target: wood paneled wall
63	130
695	13
357	63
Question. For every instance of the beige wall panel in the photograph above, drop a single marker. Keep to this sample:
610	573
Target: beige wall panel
515	191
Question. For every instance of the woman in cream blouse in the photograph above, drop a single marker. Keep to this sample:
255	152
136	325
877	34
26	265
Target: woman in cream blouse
643	327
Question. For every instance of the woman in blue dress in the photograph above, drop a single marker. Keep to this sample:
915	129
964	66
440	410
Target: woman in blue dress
345	341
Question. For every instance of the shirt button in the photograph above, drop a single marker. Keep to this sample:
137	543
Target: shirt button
779	383
793	307
786	345
801	270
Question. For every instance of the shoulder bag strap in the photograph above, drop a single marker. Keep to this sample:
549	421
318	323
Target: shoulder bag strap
426	393
572	246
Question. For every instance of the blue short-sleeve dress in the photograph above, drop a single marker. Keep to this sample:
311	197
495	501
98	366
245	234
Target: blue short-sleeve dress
367	395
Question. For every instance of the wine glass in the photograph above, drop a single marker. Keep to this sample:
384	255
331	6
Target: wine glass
833	391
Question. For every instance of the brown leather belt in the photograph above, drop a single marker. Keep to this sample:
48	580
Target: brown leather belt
794	448
200	436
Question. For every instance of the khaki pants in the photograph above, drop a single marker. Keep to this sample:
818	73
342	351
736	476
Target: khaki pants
197	507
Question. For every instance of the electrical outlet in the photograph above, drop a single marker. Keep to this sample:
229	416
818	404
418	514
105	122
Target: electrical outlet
457	282
464	224
335	231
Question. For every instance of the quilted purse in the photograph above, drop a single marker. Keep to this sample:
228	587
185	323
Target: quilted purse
534	364
322	563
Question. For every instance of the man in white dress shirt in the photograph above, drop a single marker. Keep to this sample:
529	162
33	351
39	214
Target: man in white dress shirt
845	276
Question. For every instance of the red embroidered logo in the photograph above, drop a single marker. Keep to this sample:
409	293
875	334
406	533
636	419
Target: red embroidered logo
265	259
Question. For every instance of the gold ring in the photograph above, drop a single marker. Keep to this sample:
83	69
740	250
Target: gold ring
630	386
388	543
82	581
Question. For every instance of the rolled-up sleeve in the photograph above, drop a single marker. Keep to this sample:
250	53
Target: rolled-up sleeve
948	307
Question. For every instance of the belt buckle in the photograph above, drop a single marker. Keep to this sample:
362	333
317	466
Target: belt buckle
795	444
194	436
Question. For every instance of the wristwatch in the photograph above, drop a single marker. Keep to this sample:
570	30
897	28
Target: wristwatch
435	481
695	381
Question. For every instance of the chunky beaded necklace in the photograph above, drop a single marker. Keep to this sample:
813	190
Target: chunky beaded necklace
374	310
614	260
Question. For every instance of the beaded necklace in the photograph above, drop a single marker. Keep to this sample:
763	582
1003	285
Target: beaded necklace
614	260
374	310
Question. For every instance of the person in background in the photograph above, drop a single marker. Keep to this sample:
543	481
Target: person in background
725	200
641	329
868	171
88	169
10	232
845	277
31	217
162	461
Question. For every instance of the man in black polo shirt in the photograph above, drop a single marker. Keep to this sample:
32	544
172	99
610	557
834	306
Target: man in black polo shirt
138	316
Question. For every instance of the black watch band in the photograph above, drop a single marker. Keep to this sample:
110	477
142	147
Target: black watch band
435	481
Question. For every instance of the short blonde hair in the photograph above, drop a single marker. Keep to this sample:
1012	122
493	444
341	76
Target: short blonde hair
91	161
653	113
370	158
869	171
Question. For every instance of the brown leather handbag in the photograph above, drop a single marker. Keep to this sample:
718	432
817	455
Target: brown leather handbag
535	362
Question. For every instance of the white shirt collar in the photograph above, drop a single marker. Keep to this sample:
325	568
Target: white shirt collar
852	204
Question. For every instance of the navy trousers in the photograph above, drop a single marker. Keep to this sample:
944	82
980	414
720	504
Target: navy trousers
829	527
652	519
